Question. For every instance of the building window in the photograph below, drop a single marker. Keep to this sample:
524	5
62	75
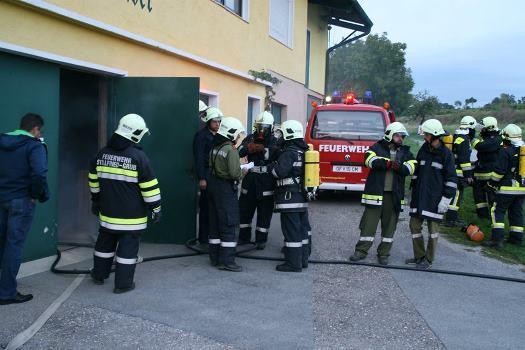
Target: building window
254	109
278	111
239	7
210	98
281	21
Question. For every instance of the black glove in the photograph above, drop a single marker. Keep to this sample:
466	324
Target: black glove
155	215
95	208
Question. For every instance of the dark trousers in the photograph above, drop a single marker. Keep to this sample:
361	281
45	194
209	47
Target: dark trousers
514	206
249	201
16	217
204	217
307	240
121	247
293	225
483	198
224	220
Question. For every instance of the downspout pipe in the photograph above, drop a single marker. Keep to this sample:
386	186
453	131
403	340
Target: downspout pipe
345	41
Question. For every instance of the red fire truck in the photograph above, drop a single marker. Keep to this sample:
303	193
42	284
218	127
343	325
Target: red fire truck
342	130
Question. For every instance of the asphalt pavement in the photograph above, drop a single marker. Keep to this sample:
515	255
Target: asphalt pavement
187	304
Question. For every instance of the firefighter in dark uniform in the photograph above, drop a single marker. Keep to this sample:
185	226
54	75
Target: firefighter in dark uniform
291	198
258	185
487	148
464	168
390	162
125	194
434	185
202	144
225	173
510	191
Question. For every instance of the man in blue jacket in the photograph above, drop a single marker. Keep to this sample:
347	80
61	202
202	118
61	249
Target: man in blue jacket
23	170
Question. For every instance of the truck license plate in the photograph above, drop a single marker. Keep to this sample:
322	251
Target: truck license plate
346	169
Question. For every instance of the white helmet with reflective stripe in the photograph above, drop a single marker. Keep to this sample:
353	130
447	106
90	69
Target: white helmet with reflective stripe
468	122
132	127
202	106
231	128
292	129
265	118
395	128
211	113
511	132
433	127
490	123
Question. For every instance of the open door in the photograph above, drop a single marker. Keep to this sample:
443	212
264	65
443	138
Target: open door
170	108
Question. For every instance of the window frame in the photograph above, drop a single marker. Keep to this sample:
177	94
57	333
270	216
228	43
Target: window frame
256	109
291	21
245	9
213	97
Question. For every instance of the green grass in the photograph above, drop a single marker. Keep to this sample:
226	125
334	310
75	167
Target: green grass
510	253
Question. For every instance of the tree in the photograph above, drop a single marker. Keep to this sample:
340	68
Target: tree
503	100
470	101
374	64
423	105
458	104
445	106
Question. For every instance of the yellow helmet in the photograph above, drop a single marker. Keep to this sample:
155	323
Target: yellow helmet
433	127
132	127
468	122
292	129
231	128
395	128
511	132
211	113
490	123
265	118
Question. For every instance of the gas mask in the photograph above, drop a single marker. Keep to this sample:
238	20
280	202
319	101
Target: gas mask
262	132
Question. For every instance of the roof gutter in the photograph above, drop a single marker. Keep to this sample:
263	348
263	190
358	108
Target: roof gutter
365	27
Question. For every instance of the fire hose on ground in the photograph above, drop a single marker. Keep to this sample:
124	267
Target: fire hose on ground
242	253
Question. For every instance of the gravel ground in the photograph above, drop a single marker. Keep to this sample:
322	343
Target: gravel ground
358	307
76	326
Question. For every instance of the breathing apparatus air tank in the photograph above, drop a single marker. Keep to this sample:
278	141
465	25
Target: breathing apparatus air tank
521	170
311	169
448	140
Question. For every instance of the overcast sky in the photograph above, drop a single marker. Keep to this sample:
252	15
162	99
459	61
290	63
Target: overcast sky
456	48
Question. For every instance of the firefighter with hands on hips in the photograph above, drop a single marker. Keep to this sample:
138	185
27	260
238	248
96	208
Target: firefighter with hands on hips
464	169
508	181
434	185
258	185
291	197
125	195
202	145
225	173
389	162
487	147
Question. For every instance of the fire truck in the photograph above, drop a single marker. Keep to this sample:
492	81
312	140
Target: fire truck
342	130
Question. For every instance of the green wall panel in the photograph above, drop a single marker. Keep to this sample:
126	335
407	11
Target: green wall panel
28	85
169	106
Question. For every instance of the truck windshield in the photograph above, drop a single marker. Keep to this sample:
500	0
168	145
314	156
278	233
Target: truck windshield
348	125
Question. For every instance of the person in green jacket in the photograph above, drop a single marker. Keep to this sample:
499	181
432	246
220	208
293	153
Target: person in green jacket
225	173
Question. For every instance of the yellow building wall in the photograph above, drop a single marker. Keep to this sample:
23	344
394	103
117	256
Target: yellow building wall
206	29
318	46
25	27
